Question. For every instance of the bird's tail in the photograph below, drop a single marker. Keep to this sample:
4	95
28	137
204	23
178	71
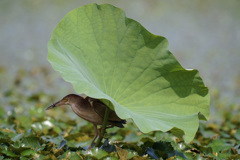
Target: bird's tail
119	123
123	121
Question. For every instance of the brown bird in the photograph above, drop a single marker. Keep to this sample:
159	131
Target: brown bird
92	110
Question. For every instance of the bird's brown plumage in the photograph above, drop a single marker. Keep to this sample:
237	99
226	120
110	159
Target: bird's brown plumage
100	108
90	109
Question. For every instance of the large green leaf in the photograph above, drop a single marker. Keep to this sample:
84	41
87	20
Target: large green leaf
106	55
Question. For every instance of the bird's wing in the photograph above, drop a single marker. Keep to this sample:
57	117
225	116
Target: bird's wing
100	108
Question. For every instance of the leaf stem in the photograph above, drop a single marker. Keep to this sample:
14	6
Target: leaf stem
104	125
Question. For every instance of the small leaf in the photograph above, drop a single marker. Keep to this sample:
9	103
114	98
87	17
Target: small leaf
219	145
133	137
62	144
56	140
28	153
131	154
57	129
75	156
237	134
17	137
111	158
97	153
31	141
9	153
23	158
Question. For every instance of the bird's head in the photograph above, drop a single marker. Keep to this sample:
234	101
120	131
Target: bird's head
67	100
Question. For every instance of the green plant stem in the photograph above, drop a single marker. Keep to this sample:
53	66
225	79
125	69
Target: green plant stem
104	125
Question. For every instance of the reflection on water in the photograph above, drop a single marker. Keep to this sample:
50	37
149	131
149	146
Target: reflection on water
202	34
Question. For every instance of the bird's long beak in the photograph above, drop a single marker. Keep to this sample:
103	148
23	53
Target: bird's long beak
59	103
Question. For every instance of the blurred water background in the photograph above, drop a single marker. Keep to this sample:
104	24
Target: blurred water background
203	34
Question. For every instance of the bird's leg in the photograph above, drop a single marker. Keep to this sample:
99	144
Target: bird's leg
96	135
100	130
